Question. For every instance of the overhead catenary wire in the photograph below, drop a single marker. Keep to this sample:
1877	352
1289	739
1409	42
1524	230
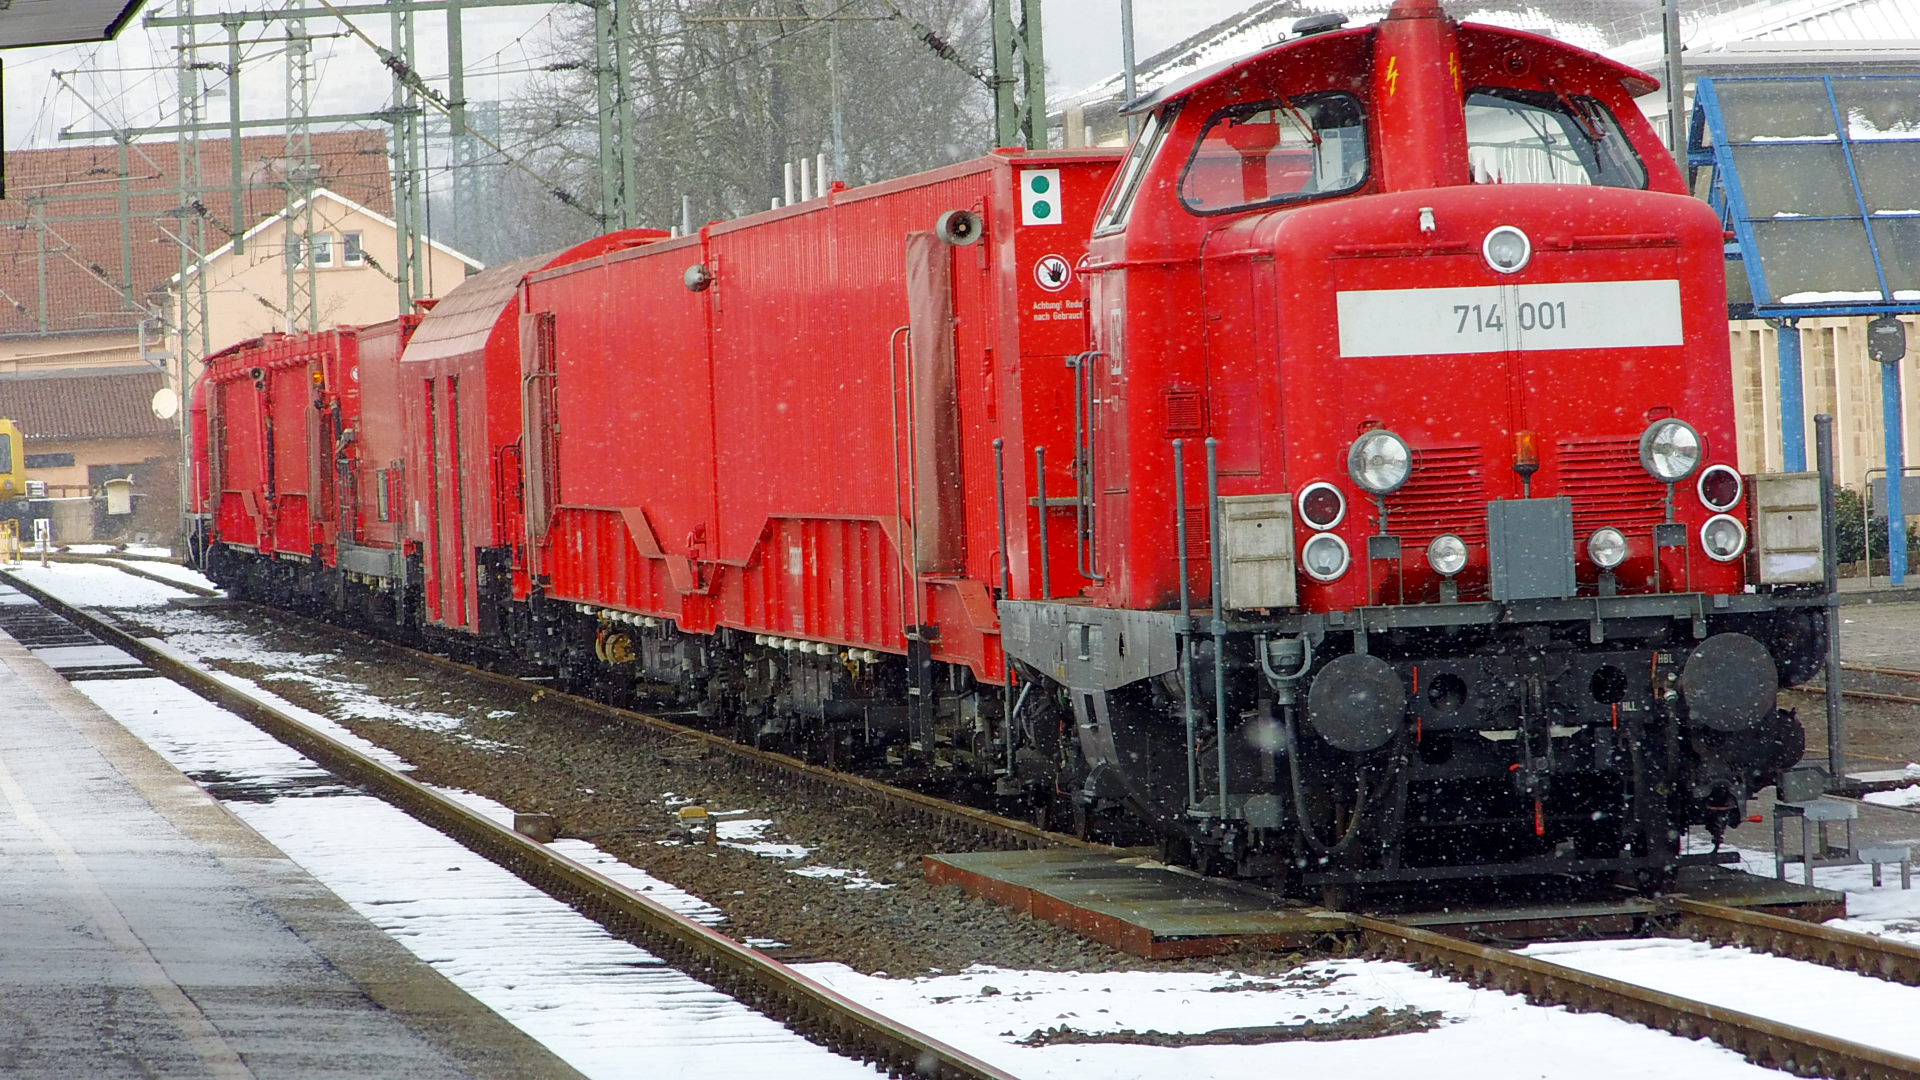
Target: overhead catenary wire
404	71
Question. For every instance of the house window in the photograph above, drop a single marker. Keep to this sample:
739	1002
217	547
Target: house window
322	249
296	256
49	461
351	254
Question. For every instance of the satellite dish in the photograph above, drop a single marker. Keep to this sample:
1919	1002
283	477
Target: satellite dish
166	403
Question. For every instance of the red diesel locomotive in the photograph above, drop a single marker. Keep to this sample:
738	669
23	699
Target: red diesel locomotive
1348	493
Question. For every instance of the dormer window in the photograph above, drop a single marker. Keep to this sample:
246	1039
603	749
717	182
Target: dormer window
1270	152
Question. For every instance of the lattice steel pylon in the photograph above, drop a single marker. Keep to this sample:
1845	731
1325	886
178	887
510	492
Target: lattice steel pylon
303	306
409	208
194	335
472	177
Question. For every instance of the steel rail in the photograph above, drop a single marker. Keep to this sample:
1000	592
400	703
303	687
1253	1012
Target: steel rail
1871	695
1764	1042
1864	695
759	981
1861	954
1873	669
949	820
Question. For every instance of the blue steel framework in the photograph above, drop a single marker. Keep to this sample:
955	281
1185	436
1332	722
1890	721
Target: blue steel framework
1716	144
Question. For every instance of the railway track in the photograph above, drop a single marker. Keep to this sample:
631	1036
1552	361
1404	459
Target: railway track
848	1027
745	973
1764	1042
1868	682
1862	954
949	820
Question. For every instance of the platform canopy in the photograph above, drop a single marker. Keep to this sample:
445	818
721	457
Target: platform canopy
62	22
1816	178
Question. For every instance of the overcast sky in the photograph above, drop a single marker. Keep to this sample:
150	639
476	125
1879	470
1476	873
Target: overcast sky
118	84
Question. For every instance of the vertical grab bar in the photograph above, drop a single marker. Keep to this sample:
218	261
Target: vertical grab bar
1040	492
1000	500
1006	590
909	578
1185	640
1084	412
1219	626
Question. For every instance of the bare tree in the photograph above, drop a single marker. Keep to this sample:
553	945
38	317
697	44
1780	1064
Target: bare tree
726	92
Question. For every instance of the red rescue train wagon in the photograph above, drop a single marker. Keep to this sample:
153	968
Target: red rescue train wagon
1340	483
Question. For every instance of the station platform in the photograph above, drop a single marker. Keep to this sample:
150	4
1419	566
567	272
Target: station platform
1128	901
145	931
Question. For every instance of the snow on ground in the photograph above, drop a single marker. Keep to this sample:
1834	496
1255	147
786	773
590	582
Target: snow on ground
146	550
612	1011
746	835
1486	1034
94	585
1853	1007
607	1010
1887	911
174	572
1906	796
205	638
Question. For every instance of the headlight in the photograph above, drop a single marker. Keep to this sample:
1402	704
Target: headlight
1670	450
1324	557
1380	462
1720	488
1607	548
1723	537
1507	249
1322	506
1447	554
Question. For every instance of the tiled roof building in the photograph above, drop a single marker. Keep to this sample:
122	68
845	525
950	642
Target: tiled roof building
90	237
84	403
68	265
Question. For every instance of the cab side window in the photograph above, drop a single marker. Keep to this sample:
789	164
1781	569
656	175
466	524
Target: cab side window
1145	148
1536	137
1271	152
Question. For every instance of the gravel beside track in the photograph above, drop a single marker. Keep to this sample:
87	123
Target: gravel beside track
606	781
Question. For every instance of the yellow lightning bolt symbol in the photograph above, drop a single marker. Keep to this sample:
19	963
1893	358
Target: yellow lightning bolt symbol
1393	75
1453	68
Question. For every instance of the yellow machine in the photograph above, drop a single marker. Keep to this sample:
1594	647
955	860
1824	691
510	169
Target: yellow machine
13	462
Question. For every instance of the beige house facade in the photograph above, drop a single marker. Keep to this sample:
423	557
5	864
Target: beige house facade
91	264
346	260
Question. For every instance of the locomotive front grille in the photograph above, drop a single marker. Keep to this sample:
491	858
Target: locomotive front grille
1604	479
1445	494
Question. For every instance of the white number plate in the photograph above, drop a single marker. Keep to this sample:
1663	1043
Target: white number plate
1497	318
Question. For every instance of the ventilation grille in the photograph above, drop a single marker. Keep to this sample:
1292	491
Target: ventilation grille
1608	486
1447	493
1186	412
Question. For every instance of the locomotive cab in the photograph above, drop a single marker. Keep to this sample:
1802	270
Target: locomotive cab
1413	335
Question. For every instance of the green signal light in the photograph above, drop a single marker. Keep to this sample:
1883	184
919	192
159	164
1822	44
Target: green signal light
1042	209
1040	185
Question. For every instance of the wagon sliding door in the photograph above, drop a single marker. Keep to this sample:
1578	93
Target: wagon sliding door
541	424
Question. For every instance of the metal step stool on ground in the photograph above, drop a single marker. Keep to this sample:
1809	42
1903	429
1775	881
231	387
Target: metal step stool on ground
1876	854
1812	813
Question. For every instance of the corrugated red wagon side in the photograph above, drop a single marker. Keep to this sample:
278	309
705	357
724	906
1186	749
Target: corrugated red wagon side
787	424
